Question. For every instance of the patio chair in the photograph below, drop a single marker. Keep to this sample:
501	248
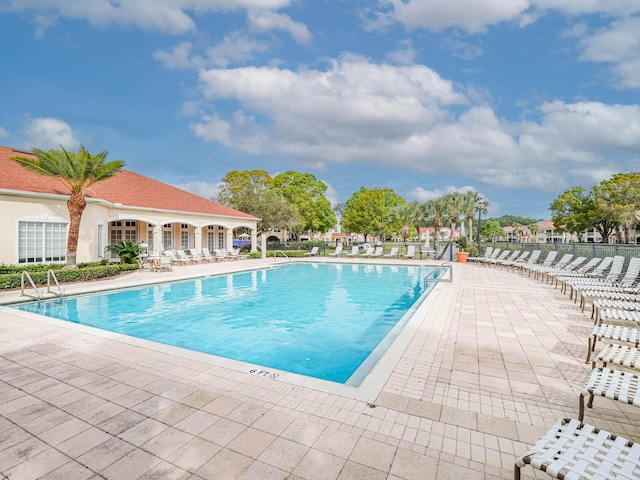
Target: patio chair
195	256
219	254
601	305
518	260
206	255
578	272
377	252
182	257
613	332
548	274
612	384
164	263
597	278
313	252
500	258
511	258
368	251
547	262
234	254
532	260
411	252
494	254
487	254
575	450
338	252
354	251
393	253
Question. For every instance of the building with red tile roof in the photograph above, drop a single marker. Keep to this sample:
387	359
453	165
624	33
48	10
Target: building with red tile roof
127	206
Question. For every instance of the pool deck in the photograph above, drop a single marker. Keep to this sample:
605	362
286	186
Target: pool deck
491	364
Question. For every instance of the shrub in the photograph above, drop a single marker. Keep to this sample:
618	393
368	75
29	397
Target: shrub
39	276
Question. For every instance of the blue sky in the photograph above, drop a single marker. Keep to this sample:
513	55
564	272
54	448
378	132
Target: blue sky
516	99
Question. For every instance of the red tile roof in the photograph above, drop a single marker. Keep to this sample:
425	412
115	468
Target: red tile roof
127	188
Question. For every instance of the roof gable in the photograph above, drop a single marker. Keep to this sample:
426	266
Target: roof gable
127	188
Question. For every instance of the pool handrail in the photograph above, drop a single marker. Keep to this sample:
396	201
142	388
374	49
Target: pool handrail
439	278
52	274
275	255
26	274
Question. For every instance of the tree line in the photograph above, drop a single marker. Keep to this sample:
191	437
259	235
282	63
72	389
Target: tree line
297	202
610	206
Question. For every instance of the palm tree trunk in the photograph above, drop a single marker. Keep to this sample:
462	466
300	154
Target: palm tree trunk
76	205
470	232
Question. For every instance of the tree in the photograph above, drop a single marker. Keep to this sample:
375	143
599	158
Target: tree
407	213
436	211
307	194
491	229
371	211
237	186
453	204
78	171
617	199
472	202
573	211
534	229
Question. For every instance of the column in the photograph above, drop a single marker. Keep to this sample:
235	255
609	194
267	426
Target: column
229	239
254	240
198	239
157	239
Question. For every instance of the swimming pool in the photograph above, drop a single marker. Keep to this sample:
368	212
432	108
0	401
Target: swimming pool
328	321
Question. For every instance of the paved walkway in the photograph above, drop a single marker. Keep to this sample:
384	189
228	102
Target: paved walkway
495	360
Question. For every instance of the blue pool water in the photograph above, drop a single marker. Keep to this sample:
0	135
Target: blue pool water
320	320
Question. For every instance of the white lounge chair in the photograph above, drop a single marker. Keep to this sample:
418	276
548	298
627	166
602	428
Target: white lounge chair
206	255
338	252
219	255
572	449
313	252
392	253
354	251
195	256
411	252
377	252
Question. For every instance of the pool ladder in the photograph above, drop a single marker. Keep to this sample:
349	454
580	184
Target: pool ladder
275	255
50	275
433	277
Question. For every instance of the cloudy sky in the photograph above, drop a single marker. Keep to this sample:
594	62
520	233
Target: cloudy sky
516	99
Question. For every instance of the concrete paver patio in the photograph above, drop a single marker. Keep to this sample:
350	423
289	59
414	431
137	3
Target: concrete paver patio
495	361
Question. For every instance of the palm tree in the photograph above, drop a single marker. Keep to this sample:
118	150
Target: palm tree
453	204
404	213
471	203
534	229
77	171
435	209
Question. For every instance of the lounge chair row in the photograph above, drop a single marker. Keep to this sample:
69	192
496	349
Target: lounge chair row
369	252
168	258
571	448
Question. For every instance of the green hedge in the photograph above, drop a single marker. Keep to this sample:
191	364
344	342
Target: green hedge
39	275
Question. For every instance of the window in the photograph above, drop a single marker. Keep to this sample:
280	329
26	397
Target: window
221	238
150	237
167	236
184	236
41	242
211	238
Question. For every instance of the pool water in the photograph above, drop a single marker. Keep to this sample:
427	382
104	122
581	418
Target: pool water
320	320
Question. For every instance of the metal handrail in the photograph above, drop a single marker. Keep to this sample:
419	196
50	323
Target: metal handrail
440	278
52	274
275	255
26	274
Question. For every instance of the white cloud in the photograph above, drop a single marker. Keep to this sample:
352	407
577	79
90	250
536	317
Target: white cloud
460	48
475	16
49	133
234	48
411	118
471	15
3	133
421	195
177	58
262	20
166	16
405	54
620	46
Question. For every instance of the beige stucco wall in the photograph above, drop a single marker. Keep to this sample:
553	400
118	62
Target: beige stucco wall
15	207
